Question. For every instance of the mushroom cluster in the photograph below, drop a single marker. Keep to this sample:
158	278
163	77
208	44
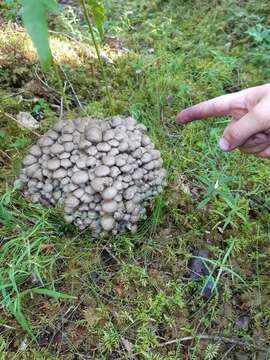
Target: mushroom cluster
101	172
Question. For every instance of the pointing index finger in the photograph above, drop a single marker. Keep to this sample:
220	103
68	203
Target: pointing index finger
219	106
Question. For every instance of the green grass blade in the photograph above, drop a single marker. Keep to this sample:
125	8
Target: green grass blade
14	308
48	292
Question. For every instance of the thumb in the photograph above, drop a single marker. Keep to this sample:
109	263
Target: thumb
238	132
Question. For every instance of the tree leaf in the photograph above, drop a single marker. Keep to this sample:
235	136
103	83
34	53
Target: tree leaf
98	12
35	19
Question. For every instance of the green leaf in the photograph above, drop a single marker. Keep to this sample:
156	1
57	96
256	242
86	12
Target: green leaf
14	308
48	292
98	13
35	19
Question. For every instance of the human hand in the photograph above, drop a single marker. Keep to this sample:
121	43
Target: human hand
249	129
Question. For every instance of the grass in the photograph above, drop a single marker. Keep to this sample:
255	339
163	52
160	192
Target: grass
132	291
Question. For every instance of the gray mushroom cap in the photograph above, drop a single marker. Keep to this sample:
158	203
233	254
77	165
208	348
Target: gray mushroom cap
107	222
109	193
80	177
53	164
102	170
109	206
57	149
98	184
93	134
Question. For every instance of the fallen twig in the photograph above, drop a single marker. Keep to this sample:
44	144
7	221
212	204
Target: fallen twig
228	351
5	154
236	342
72	88
13	94
8	327
45	83
53	92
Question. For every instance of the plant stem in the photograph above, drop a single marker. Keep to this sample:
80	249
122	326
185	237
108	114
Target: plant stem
219	339
90	27
61	86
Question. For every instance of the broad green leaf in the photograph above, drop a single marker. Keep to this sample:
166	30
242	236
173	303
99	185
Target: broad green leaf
51	5
35	19
98	13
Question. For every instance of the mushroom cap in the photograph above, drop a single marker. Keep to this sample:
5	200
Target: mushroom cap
72	201
98	184
57	149
107	222
109	193
109	206
35	151
53	164
102	170
93	134
80	177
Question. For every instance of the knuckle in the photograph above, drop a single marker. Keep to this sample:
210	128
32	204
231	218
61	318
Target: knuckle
233	134
261	116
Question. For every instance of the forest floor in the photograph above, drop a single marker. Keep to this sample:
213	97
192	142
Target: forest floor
193	282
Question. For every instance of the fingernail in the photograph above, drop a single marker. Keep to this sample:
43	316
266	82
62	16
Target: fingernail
179	118
224	145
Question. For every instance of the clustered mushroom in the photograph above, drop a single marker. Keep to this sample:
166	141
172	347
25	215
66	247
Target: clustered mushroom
101	172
